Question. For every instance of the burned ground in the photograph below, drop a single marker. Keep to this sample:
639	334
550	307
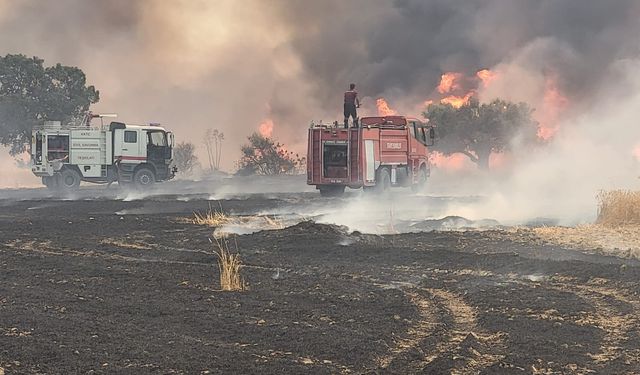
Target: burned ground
112	286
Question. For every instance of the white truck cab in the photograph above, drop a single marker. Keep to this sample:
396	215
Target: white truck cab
128	154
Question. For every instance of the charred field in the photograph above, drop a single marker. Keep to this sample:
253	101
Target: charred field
105	285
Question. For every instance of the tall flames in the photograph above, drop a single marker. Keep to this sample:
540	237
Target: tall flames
548	113
553	104
383	108
457	101
451	85
449	82
454	89
457	89
486	77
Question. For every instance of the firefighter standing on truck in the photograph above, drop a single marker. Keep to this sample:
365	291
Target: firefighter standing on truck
351	102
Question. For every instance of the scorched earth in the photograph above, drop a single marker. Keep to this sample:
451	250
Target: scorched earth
102	284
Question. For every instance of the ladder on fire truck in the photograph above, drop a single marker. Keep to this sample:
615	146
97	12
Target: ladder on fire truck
353	154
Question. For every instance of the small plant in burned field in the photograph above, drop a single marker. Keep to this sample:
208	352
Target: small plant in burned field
618	207
229	265
211	218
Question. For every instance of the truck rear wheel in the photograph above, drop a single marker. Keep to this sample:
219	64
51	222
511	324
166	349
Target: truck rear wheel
69	179
144	178
331	190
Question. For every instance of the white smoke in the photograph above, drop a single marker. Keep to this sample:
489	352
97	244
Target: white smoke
16	172
592	151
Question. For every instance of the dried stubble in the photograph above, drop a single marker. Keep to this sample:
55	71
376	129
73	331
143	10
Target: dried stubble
229	265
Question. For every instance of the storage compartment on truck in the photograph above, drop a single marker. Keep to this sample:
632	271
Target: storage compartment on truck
334	159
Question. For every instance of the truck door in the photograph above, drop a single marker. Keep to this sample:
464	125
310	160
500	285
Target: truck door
158	149
418	153
413	148
128	144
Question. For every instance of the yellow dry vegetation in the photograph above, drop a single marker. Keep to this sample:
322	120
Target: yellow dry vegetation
618	207
226	224
615	232
622	241
229	265
248	223
211	218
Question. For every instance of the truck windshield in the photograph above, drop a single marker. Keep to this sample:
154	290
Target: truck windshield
158	138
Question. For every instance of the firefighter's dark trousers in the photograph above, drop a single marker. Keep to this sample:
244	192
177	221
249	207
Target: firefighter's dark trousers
350	111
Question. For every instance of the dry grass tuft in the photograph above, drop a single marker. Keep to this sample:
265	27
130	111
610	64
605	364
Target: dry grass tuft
229	265
211	218
618	207
274	223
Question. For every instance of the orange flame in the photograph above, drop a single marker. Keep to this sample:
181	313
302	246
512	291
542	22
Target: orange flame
448	82
457	101
486	76
636	152
553	103
454	162
266	128
383	108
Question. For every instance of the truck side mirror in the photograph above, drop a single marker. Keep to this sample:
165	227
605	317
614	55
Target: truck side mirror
432	136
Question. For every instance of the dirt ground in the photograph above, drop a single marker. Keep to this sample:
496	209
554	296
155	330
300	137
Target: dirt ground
116	286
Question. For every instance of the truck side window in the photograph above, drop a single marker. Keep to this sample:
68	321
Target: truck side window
417	132
423	135
130	136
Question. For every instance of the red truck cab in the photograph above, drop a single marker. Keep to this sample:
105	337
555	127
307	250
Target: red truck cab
383	152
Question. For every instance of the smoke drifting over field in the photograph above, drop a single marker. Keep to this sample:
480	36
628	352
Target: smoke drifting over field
235	65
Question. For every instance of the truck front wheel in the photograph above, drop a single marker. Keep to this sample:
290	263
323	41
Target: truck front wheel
51	182
144	178
69	179
421	181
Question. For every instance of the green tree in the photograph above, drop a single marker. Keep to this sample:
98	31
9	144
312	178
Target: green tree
185	157
476	130
31	94
265	156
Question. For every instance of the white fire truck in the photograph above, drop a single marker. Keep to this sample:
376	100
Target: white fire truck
128	154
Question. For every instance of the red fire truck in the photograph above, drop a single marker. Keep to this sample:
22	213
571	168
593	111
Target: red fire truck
383	152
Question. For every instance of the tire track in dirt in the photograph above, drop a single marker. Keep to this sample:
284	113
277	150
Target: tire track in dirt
427	326
446	336
618	325
615	313
466	344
